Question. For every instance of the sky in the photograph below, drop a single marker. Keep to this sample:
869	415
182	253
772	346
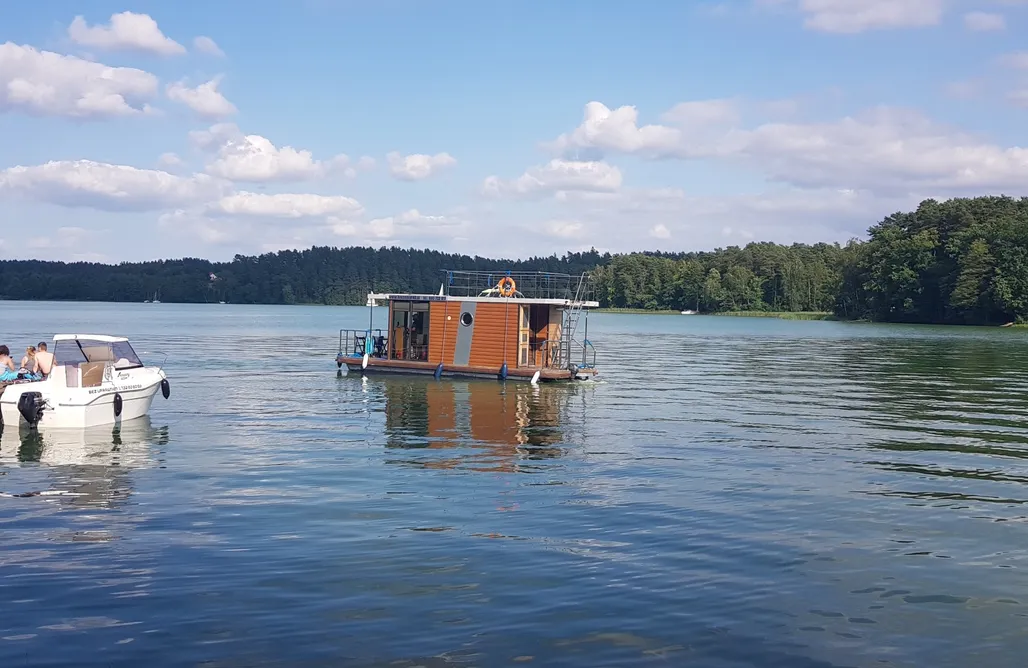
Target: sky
146	130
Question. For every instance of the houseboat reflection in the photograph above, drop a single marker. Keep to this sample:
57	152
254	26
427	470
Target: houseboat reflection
479	425
88	467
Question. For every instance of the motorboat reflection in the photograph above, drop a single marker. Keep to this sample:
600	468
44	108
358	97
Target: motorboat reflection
484	426
88	467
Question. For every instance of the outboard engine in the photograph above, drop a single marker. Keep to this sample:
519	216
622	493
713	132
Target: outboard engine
31	405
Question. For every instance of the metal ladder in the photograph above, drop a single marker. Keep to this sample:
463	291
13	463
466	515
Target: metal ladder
571	317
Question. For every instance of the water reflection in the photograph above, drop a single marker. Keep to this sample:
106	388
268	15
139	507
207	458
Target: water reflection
481	425
87	467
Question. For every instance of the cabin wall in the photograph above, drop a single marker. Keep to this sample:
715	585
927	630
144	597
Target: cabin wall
442	337
495	335
479	344
554	329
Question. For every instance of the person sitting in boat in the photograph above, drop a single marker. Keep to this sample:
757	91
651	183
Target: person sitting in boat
7	370
44	360
28	362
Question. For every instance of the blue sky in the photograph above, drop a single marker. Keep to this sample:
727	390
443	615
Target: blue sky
501	128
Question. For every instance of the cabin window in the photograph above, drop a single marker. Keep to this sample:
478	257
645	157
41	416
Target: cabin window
466	319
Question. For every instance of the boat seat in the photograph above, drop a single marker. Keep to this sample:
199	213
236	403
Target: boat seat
92	373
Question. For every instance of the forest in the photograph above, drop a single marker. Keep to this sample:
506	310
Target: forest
960	261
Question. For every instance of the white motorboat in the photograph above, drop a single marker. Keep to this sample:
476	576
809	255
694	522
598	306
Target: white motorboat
96	380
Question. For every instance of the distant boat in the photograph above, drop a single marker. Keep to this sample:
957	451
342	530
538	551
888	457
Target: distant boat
688	312
155	299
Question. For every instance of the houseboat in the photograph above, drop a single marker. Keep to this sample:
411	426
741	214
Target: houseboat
506	325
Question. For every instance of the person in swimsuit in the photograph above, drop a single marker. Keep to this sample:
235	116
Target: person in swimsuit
7	370
28	363
44	360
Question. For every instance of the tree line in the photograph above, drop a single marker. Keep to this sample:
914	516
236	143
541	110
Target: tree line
958	261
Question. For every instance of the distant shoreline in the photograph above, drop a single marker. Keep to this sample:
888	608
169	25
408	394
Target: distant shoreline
783	315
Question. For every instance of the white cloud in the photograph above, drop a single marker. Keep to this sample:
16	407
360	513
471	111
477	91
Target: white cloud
615	130
106	187
638	219
169	160
984	21
660	231
413	224
618	130
256	159
855	16
564	229
207	45
206	100
1017	60
285	205
126	31
557	176
417	166
214	136
1019	97
882	150
62	237
50	84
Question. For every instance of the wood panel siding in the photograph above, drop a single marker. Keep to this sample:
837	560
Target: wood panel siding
495	324
442	333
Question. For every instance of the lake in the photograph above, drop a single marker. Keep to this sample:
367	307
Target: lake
733	492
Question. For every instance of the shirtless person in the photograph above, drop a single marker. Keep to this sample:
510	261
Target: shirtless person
44	360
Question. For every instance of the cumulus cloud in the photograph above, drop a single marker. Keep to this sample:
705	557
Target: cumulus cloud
855	16
984	22
418	166
557	176
169	160
413	224
85	183
44	83
254	158
207	45
285	205
564	229
617	130
126	31
660	231
880	150
206	100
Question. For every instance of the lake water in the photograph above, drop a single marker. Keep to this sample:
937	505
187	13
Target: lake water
734	492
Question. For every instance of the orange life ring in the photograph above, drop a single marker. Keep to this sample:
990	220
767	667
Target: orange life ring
506	286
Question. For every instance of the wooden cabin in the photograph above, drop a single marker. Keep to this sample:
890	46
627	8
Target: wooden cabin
480	324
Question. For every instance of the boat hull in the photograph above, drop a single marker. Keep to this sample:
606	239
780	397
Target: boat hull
355	365
79	408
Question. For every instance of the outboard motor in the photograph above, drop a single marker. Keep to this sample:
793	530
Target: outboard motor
30	405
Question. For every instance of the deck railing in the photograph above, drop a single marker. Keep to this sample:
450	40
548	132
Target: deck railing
528	285
356	342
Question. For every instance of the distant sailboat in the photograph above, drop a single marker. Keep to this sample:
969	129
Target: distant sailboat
155	300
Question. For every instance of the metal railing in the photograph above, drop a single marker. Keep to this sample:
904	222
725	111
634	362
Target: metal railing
357	342
528	285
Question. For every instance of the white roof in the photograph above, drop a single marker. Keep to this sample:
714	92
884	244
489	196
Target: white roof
89	337
374	298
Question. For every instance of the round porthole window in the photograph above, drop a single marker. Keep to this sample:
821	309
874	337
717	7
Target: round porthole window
466	319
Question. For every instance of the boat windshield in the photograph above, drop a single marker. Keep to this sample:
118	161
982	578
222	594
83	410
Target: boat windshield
78	351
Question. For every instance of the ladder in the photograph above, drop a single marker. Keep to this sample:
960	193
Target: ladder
571	317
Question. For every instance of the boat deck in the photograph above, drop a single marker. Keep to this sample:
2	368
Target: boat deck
429	368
